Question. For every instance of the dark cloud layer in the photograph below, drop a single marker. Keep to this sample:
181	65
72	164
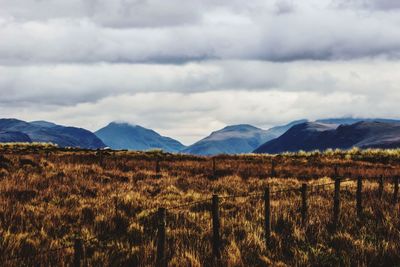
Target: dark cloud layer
386	5
138	31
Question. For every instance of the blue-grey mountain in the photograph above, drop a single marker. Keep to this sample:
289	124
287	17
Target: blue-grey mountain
350	120
234	139
14	137
134	137
277	131
319	136
41	131
237	139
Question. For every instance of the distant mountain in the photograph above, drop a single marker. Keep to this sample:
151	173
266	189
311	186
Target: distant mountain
277	131
349	121
48	132
234	139
313	135
44	124
134	137
13	137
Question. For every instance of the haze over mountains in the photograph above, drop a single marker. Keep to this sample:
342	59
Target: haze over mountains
341	133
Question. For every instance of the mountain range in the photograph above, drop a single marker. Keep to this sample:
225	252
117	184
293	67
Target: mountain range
320	136
236	139
13	130
298	135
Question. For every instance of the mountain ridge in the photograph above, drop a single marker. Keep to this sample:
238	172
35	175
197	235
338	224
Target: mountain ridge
232	139
123	135
318	136
63	136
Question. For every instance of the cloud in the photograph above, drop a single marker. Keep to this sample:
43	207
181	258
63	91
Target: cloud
385	5
73	84
117	13
88	32
284	6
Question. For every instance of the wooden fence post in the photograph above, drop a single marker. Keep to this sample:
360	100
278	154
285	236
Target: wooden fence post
157	166
380	188
78	252
267	215
336	204
214	171
161	255
359	198
216	225
273	172
304	206
395	189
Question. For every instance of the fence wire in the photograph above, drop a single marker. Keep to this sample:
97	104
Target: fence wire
190	226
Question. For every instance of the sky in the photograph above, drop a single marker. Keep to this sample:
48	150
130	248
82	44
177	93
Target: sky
188	67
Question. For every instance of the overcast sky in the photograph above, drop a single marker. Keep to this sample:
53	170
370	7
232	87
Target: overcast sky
189	67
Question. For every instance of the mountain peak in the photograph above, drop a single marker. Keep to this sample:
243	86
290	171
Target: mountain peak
121	124
123	135
239	127
48	132
45	124
314	126
233	139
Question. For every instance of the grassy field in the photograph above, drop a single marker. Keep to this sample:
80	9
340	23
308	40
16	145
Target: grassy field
109	199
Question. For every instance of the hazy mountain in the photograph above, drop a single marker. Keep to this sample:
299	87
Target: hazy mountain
45	124
234	139
313	135
134	137
277	131
12	137
42	131
348	121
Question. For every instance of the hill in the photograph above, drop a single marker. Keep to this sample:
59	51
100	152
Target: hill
351	120
234	139
318	136
48	132
14	137
134	137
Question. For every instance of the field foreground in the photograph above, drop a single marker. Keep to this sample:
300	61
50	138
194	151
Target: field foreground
102	207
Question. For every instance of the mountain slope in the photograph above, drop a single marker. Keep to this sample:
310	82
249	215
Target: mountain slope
134	137
312	135
234	139
13	137
51	133
277	131
350	120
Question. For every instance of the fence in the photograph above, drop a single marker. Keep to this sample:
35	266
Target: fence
306	190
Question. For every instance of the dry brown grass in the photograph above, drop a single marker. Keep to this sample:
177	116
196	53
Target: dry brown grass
50	196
